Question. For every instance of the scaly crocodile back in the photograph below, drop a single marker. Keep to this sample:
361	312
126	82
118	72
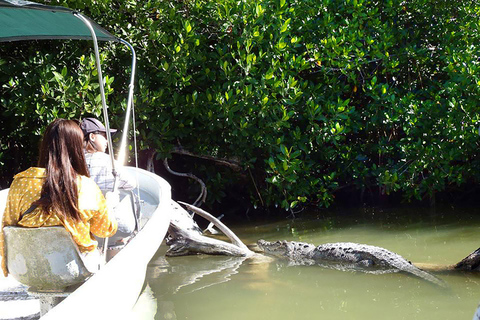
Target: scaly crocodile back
346	252
376	256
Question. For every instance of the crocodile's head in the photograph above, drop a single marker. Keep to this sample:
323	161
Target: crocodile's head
277	248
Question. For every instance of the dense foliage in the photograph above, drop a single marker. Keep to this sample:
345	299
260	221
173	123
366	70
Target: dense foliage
309	96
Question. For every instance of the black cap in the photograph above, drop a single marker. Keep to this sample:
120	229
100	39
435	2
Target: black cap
91	125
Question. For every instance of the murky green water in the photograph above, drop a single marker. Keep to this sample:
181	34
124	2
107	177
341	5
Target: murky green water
208	287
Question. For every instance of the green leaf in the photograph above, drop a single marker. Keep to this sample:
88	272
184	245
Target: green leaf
295	154
259	10
187	26
271	163
285	25
58	77
269	74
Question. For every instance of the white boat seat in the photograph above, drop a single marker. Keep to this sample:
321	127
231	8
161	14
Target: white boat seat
127	213
45	259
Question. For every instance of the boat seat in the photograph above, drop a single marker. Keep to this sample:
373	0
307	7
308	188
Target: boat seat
45	259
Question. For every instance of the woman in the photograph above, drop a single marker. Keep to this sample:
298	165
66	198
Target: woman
59	192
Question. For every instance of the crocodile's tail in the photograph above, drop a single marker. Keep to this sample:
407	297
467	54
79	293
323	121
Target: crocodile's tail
425	275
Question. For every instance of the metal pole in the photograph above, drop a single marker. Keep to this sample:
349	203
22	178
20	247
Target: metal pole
130	109
102	90
104	106
122	153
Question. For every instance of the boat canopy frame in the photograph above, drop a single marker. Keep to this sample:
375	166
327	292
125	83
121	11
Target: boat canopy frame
25	20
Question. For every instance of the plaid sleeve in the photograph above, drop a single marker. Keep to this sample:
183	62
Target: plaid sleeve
100	169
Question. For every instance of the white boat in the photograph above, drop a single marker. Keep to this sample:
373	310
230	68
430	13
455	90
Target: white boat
476	316
111	292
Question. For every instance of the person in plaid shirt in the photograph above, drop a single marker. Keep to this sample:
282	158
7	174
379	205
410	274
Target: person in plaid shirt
99	165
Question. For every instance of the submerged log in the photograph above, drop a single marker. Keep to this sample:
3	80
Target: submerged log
185	238
470	263
435	268
232	236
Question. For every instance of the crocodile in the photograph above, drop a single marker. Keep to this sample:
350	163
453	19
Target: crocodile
345	255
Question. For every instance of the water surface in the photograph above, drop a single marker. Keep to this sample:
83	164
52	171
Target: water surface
214	287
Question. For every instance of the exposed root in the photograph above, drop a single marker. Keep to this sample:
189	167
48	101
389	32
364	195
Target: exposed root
185	238
203	193
222	227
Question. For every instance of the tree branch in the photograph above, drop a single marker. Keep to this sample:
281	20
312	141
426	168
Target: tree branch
186	238
233	164
229	233
203	193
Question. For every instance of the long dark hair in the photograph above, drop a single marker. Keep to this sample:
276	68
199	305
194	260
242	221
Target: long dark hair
61	154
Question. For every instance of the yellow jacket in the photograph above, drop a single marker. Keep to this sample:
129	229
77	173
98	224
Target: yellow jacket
95	219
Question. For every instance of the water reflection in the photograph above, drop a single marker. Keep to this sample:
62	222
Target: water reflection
199	273
186	275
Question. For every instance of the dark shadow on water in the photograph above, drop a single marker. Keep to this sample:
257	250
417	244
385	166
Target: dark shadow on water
406	217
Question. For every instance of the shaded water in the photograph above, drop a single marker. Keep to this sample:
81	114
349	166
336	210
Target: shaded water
211	287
